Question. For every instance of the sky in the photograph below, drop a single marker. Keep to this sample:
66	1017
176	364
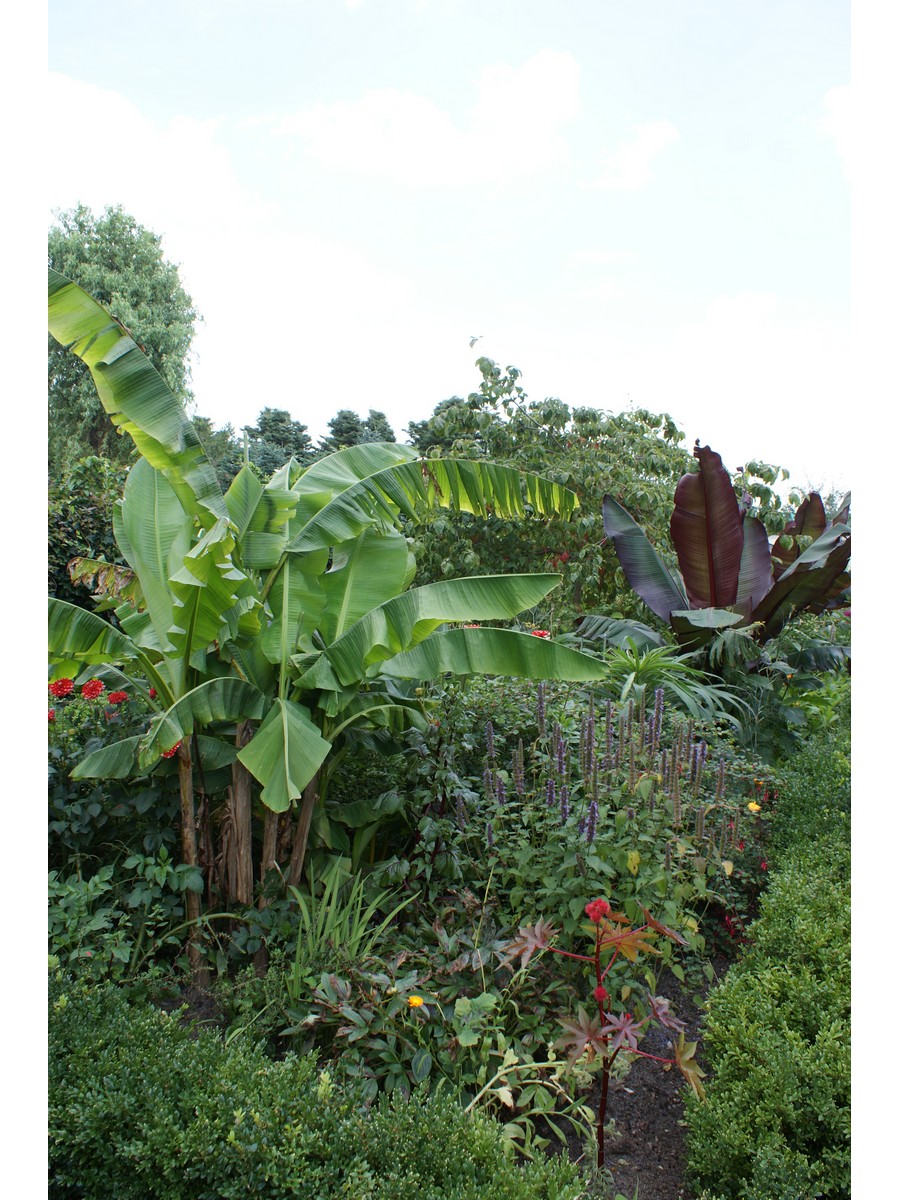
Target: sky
641	204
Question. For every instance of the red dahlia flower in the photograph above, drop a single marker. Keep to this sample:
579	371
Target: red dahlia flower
61	687
116	697
597	910
92	689
152	693
51	714
540	633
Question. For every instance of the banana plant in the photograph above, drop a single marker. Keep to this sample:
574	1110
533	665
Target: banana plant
728	576
276	614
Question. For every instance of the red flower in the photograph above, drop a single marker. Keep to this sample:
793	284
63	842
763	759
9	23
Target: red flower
171	752
740	844
92	689
540	633
152	693
51	714
116	697
61	687
764	866
600	993
597	910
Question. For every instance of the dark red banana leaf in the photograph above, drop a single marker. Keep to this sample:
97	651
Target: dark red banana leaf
811	521
816	577
643	567
755	576
708	534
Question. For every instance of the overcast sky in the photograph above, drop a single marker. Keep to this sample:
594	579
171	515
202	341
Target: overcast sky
642	203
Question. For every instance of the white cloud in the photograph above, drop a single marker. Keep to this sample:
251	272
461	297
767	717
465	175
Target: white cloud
629	167
837	124
408	138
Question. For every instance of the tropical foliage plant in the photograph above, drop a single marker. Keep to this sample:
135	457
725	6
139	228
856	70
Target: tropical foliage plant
276	617
729	576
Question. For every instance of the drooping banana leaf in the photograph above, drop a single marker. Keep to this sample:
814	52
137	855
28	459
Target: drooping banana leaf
416	488
816	577
135	396
214	700
121	759
696	626
707	532
407	620
285	753
75	634
493	652
755	576
643	567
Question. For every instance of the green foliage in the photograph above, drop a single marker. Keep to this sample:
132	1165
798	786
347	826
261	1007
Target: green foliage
201	1119
80	508
777	1120
120	263
635	455
349	429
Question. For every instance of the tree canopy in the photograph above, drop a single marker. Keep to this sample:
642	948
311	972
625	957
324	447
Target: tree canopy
120	263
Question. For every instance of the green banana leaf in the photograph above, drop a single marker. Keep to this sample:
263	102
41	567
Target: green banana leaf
707	532
154	534
407	620
75	634
214	700
644	569
416	488
296	601
696	626
493	652
364	573
285	753
135	396
121	759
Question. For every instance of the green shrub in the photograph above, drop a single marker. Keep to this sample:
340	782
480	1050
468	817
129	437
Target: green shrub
777	1117
814	788
141	1107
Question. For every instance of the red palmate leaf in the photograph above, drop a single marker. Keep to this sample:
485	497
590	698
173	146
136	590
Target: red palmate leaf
581	1034
530	939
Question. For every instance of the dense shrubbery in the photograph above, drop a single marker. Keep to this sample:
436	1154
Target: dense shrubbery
777	1120
141	1107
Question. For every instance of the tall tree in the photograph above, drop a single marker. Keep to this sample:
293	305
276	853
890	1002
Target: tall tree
121	263
349	429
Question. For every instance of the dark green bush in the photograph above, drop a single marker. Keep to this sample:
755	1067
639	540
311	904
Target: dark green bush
777	1118
142	1108
814	788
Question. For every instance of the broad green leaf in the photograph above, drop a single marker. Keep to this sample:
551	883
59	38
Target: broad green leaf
121	759
407	620
643	567
296	600
75	633
707	532
363	574
285	753
493	652
135	396
214	700
211	594
416	488
154	534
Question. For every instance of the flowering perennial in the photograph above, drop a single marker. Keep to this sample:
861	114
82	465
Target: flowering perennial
597	910
116	697
92	689
62	687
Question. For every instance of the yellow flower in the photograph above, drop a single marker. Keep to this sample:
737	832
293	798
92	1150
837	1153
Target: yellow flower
415	1001
753	806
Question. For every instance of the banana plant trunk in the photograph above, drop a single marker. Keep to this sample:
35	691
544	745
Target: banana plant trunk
189	856
301	836
238	859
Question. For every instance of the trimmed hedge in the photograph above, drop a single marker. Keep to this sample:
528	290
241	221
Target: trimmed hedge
142	1108
776	1123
